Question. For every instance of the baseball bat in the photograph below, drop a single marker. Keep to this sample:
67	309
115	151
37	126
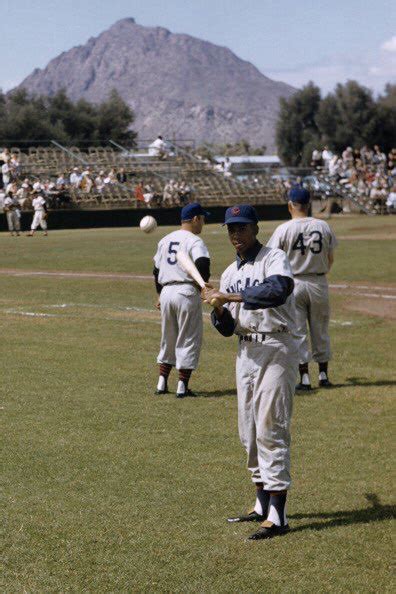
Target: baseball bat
188	266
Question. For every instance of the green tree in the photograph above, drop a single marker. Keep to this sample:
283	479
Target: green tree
114	120
385	127
296	126
348	117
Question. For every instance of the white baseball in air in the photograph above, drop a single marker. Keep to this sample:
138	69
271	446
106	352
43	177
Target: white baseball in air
148	224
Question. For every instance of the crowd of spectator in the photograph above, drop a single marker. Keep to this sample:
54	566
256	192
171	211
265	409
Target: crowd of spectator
85	181
370	172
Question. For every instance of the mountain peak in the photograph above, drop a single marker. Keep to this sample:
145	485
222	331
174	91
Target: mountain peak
186	87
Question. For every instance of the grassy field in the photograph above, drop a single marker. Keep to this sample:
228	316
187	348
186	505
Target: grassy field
110	489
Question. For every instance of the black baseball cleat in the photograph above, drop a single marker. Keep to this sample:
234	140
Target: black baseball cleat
269	530
249	517
186	394
160	392
325	383
303	387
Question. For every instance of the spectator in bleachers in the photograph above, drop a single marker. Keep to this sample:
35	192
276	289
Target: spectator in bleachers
86	183
158	148
62	181
6	174
122	176
99	182
170	197
316	159
139	195
11	188
148	195
326	157
391	201
14	166
75	177
111	177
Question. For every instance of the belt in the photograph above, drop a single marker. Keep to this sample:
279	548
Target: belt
311	274
252	338
178	283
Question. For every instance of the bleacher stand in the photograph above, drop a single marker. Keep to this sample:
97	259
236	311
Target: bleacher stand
106	177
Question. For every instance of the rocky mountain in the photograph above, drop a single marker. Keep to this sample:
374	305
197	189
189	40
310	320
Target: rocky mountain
178	86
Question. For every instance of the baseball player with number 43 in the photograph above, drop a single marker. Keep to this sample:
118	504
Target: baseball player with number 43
309	244
256	302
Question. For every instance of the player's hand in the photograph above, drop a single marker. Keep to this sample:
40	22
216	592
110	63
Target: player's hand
215	298
158	305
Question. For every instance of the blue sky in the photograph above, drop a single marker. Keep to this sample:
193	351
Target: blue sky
294	41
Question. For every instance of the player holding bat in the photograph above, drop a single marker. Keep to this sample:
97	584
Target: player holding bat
179	299
256	303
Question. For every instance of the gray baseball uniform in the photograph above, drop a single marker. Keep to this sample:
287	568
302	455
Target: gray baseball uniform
38	204
308	242
11	206
181	308
267	360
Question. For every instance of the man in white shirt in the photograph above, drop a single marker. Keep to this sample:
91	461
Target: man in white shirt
40	214
75	177
157	148
179	300
326	156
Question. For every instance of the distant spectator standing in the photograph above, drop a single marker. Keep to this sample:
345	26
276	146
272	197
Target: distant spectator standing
316	160
326	156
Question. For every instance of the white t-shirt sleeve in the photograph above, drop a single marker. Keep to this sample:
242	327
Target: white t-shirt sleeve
278	264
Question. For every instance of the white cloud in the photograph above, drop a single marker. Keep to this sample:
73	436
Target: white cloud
374	70
389	45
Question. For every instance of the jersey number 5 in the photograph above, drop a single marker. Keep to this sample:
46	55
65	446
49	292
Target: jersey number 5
316	246
171	259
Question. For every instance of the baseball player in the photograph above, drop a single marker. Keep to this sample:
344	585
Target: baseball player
11	208
309	244
179	300
256	303
40	214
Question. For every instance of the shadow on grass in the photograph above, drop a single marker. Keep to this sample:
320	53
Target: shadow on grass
217	393
375	512
362	381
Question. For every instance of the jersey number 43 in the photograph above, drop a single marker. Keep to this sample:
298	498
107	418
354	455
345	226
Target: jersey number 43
315	245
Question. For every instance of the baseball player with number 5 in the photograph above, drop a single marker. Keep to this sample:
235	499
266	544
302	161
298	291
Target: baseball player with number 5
309	244
256	303
179	299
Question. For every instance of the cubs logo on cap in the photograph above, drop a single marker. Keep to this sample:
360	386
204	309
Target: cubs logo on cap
241	213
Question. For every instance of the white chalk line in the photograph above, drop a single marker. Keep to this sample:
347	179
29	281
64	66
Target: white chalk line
147	277
21	312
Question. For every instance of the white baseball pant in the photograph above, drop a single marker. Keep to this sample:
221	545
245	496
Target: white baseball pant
182	327
266	377
38	220
313	309
13	220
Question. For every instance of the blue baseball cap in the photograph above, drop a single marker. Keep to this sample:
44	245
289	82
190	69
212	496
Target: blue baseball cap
193	210
241	213
299	195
